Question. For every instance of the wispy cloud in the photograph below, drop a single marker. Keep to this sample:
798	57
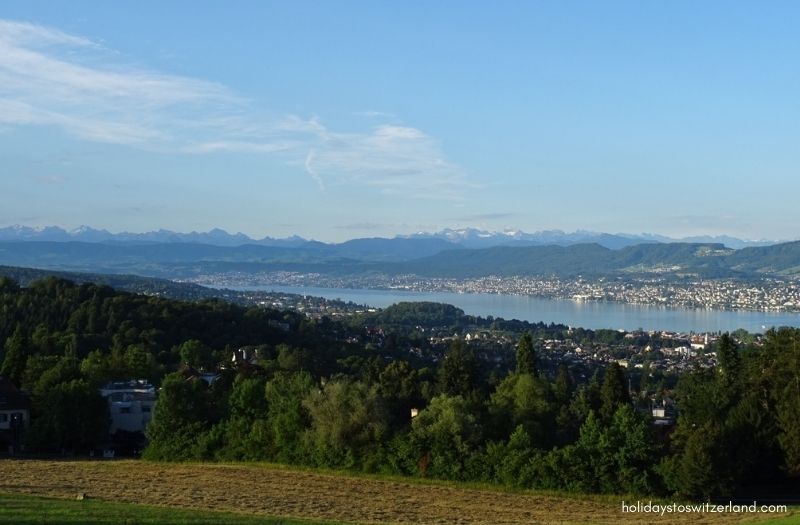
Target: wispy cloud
52	78
375	114
48	180
487	216
398	160
362	226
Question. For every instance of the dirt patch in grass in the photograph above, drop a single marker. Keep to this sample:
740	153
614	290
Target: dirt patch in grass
303	494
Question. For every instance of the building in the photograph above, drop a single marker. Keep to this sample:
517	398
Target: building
15	414
130	404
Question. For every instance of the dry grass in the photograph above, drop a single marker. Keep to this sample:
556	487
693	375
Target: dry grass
274	491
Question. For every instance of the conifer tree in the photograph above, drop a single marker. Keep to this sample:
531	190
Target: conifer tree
526	356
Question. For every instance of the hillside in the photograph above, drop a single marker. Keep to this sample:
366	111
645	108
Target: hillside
121	282
431	257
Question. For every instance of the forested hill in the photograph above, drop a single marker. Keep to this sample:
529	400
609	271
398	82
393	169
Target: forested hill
425	257
121	282
712	260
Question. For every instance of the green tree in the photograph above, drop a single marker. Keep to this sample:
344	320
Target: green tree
615	458
348	423
444	438
140	364
180	417
195	353
614	391
523	400
246	431
96	367
698	470
286	415
69	416
728	360
780	365
16	356
458	373
398	385
526	355
562	389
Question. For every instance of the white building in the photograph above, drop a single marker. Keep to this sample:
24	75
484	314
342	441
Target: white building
130	404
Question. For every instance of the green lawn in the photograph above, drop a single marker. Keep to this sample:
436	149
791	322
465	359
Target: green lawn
791	520
22	510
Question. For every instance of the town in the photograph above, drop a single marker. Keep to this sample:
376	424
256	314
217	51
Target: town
767	294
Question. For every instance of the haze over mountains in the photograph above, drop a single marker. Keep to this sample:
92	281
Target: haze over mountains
451	254
464	237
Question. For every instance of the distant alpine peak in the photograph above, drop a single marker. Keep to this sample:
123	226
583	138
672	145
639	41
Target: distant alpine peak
476	238
467	237
83	233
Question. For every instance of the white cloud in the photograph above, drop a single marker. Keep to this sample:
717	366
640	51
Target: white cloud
399	160
51	78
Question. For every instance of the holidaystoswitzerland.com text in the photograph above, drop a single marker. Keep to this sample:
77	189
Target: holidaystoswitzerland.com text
672	508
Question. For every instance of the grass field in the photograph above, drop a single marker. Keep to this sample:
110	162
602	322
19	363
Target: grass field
143	492
19	509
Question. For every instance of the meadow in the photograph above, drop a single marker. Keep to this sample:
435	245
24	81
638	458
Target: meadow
37	491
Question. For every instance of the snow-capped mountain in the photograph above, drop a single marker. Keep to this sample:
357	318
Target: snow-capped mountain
217	236
474	238
462	237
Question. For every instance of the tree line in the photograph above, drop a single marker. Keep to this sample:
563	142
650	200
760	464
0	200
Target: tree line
318	396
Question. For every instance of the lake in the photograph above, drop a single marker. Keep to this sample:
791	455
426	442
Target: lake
588	314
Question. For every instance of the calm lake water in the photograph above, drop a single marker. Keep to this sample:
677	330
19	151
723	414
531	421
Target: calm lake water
590	314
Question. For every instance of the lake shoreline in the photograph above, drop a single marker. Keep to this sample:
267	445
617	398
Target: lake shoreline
586	313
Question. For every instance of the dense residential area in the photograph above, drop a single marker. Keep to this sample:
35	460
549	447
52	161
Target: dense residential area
417	389
764	294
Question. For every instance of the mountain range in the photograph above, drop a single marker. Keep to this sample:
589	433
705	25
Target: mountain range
425	257
464	237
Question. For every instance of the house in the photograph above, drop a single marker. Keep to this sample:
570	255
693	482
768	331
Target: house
243	356
189	372
15	414
130	404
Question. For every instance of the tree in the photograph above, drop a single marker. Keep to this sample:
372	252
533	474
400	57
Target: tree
348	422
444	437
70	416
781	366
614	392
562	389
697	470
286	415
96	367
195	353
16	356
180	416
510	461
728	360
139	363
64	370
523	400
398	385
526	356
458	373
617	457
245	434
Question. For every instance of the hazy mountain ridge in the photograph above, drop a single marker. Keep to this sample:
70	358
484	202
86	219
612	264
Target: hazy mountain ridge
216	236
463	237
435	258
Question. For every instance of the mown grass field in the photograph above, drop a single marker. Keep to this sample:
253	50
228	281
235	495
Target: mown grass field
22	509
143	492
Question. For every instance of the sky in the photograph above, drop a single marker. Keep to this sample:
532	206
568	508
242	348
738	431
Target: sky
336	120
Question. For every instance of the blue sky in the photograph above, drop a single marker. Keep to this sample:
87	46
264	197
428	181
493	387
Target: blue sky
336	120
